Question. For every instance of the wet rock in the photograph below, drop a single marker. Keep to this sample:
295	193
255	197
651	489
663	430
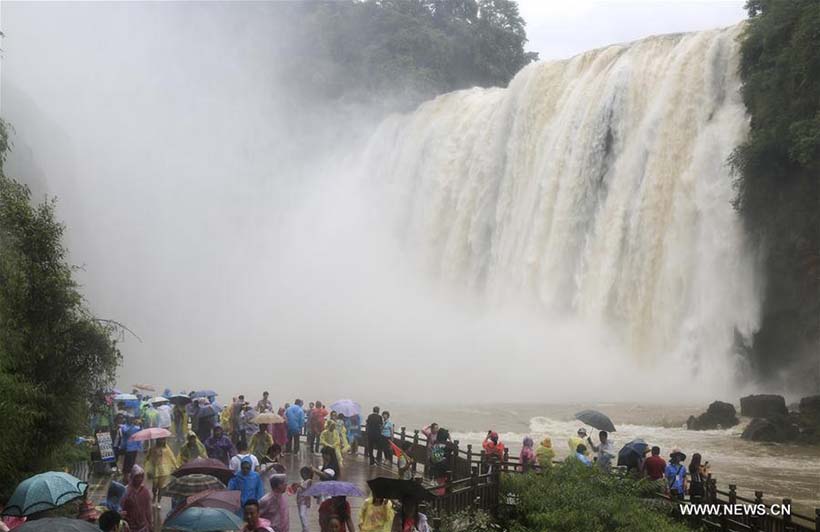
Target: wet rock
809	419
774	429
719	415
763	406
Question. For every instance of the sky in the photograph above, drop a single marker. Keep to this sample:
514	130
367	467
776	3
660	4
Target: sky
207	209
558	29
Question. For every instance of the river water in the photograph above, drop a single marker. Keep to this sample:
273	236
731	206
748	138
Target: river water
779	470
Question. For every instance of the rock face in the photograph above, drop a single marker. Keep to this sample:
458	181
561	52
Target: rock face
763	406
718	415
809	417
773	429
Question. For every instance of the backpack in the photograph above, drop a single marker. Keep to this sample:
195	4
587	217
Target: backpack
438	454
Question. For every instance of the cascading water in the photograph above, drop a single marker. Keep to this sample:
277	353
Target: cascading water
596	186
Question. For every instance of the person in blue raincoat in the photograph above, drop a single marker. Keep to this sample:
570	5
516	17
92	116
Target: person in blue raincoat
247	482
296	421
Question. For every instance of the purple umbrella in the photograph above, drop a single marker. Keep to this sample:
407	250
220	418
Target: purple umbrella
347	407
333	488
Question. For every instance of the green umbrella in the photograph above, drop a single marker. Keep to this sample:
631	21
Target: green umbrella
44	492
204	520
58	524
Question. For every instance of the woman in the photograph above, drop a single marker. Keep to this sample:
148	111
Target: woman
219	446
545	454
527	455
159	464
280	430
330	470
386	450
376	515
338	508
247	482
698	473
136	505
440	458
330	438
408	518
354	432
260	443
193	448
675	474
341	428
179	424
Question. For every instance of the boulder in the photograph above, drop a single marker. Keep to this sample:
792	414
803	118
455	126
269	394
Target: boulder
719	415
765	406
809	419
774	429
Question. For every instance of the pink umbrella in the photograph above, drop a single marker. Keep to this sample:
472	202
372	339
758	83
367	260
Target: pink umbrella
154	433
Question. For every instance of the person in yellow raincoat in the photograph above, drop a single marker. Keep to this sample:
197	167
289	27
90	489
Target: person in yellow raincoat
330	438
260	443
179	424
160	462
544	453
225	418
193	448
376	515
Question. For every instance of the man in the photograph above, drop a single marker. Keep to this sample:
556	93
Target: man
316	424
654	466
373	431
241	454
253	523
219	446
296	421
575	441
605	450
236	414
129	447
264	404
247	482
274	505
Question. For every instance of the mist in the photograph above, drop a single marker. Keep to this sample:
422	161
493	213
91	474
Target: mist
222	216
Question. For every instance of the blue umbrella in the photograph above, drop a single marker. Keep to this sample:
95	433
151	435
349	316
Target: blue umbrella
333	488
44	492
347	407
632	452
204	393
196	519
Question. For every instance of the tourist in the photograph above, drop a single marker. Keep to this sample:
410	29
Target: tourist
112	521
136	504
247	427
254	523
605	450
273	454
206	418
113	497
164	416
280	430
247	482
373	431
296	421
493	450
386	451
193	448
330	470
264	404
179	424
160	462
527	455
128	447
409	519
353	424
235	414
698	473
655	466
219	446
303	501
376	515
261	442
429	432
274	505
440	459
581	454
580	439
333	525
316	424
330	438
339	508
405	461
241	453
545	453
341	428
675	474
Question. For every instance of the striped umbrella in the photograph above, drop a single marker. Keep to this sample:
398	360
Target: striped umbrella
192	484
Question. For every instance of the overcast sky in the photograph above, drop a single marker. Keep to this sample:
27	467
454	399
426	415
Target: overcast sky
562	28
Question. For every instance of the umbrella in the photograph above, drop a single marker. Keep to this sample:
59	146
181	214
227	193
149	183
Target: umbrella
125	397
44	492
347	407
205	466
57	524
204	520
395	488
227	500
632	452
333	488
596	419
204	393
145	387
158	400
268	418
180	399
154	433
192	484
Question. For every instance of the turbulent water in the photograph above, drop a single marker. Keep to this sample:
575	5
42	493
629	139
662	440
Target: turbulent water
596	186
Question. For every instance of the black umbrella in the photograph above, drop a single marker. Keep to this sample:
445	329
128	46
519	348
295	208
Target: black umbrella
631	453
596	419
394	488
180	399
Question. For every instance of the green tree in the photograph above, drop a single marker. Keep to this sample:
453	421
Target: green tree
54	355
778	174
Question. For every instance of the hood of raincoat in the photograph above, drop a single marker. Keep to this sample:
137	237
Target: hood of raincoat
528	442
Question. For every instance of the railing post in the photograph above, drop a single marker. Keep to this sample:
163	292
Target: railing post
506	458
454	462
732	493
483	459
470	456
787	518
817	519
474	486
415	446
402	434
758	520
712	483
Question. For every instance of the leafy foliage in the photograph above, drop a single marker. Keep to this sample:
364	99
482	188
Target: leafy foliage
574	497
469	521
778	172
53	354
409	50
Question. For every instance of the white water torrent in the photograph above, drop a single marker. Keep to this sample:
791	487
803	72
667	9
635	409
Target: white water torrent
596	186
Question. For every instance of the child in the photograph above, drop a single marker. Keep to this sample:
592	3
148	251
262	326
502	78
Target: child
527	456
302	502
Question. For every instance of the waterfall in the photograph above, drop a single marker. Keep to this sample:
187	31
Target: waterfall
596	186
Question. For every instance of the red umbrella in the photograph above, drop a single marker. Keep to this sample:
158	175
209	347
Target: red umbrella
205	466
154	433
227	500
